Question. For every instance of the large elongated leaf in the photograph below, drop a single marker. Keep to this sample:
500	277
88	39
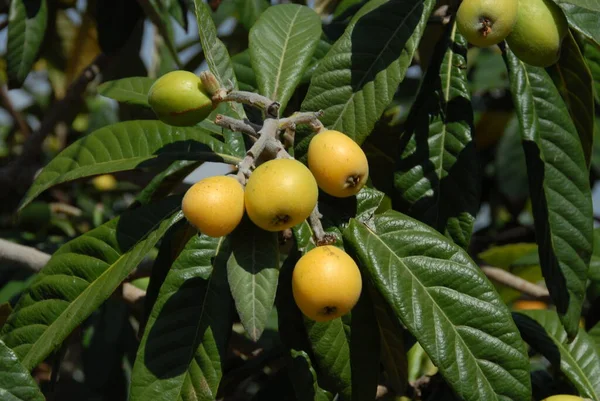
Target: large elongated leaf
26	28
360	74
185	342
215	53
588	4
582	20
281	46
250	10
591	52
133	90
16	384
574	81
305	379
578	360
438	172
445	301
80	276
393	354
252	272
125	146
559	187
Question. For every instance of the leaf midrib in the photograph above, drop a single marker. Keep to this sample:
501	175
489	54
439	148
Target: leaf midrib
560	345
283	52
384	48
473	357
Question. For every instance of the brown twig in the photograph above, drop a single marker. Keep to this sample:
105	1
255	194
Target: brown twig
270	107
504	277
235	125
34	260
19	120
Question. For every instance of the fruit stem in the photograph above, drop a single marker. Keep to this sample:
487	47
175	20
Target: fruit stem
236	125
322	237
311	118
267	134
270	107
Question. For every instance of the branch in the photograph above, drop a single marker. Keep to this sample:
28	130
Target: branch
515	282
23	127
34	260
311	118
270	107
233	124
322	237
267	134
22	256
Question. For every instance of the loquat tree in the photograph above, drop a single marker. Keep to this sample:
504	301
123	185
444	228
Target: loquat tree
405	211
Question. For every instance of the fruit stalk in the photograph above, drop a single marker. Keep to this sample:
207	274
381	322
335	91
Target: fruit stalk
236	125
322	237
270	107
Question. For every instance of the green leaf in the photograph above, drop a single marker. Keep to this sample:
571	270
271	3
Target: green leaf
364	349
163	182
133	90
578	360
305	379
438	172
244	72
559	187
250	10
393	354
589	4
358	77
574	81
183	350
252	271
80	276
320	52
161	18
126	146
215	53
442	297
510	166
594	270
591	52
26	29
16	384
330	343
594	334
281	45
582	20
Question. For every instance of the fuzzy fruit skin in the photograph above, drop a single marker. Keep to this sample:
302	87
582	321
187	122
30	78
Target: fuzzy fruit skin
472	15
538	34
214	205
334	158
563	397
280	193
326	283
179	98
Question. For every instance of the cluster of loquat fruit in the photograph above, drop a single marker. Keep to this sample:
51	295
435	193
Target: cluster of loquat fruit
279	194
533	29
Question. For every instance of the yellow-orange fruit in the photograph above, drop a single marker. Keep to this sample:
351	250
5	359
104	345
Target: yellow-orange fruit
280	193
326	283
105	182
524	304
214	205
339	165
563	397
